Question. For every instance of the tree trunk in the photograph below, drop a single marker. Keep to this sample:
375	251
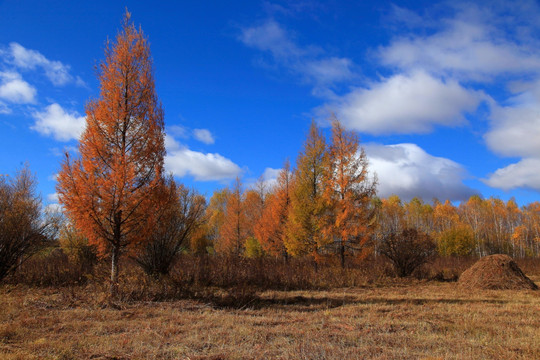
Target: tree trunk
114	272
286	256
342	254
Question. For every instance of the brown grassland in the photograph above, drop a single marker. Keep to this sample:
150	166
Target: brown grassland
382	318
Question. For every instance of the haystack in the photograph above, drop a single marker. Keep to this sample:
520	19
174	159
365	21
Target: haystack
496	272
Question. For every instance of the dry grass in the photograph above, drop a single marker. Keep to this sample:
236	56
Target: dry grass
407	319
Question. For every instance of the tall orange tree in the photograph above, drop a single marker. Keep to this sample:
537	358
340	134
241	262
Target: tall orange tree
348	192
111	191
304	228
234	230
271	227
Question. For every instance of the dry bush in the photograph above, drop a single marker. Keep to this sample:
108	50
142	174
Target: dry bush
271	273
408	250
179	220
50	268
23	229
76	246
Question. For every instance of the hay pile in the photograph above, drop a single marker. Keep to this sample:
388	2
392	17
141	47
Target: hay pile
496	272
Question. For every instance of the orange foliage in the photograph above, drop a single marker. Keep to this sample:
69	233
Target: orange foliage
270	230
111	191
349	218
234	231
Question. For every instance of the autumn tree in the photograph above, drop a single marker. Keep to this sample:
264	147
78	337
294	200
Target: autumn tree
419	215
527	235
23	228
215	215
234	231
305	223
272	225
348	191
445	216
111	192
390	217
253	204
473	213
178	221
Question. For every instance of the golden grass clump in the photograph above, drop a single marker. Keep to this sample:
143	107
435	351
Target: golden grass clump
496	272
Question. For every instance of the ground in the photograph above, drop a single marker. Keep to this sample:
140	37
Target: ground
402	320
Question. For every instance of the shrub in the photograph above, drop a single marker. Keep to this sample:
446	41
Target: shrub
75	245
178	222
23	228
407	250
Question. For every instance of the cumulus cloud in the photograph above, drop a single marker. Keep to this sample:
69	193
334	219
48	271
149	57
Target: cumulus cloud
408	171
514	131
204	136
182	161
56	72
515	128
474	41
523	174
310	62
56	122
404	104
14	89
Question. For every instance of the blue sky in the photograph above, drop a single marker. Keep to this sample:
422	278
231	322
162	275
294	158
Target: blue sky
445	96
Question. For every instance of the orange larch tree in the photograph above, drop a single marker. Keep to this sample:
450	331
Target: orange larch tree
348	192
111	191
271	228
304	225
234	231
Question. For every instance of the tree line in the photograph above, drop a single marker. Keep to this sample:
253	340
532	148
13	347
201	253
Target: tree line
117	200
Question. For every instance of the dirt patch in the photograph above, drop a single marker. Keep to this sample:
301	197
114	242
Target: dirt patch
496	272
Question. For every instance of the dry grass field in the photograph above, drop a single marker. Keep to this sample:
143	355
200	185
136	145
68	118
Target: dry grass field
407	319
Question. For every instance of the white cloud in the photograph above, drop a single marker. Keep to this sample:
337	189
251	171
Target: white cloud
56	72
178	131
329	70
58	123
476	42
14	89
404	104
523	174
53	209
515	128
171	144
515	131
310	62
4	109
270	36
53	198
270	177
408	171
182	161
204	136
